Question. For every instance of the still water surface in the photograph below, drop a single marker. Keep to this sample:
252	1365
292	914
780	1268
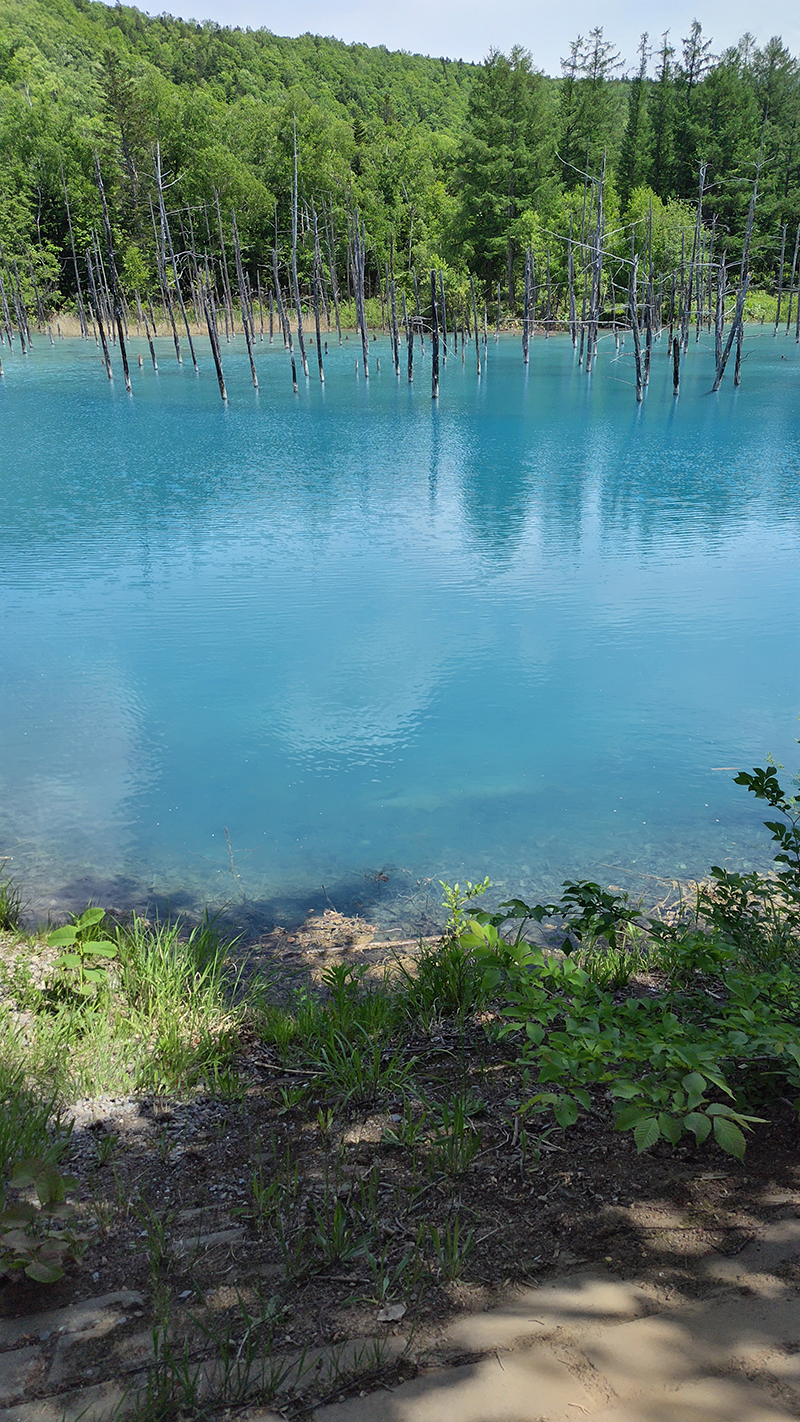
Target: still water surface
380	642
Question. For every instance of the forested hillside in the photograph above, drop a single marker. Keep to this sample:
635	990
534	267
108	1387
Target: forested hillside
458	166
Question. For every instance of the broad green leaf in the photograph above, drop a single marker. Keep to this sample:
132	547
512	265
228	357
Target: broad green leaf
20	1212
90	917
625	1089
629	1116
25	1172
646	1133
729	1137
565	1111
61	936
44	1273
698	1124
102	949
670	1129
694	1082
68	960
49	1186
583	1097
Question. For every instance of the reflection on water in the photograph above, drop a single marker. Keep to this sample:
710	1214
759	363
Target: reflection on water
360	635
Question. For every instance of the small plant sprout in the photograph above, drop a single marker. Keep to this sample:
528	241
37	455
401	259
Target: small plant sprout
105	1145
456	897
85	957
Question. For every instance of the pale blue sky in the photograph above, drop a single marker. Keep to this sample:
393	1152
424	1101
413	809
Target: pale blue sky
466	29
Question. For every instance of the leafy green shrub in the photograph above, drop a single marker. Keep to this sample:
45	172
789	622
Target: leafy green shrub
85	956
38	1239
753	915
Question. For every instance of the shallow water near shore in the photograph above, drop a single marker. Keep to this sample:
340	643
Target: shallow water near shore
357	640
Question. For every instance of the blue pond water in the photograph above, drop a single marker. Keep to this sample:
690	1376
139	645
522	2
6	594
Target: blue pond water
379	642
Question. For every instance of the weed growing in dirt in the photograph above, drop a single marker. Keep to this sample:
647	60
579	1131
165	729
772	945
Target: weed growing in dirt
10	905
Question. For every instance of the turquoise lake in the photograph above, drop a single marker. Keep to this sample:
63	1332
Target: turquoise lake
353	639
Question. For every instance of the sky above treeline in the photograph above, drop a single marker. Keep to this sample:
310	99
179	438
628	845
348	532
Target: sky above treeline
468	29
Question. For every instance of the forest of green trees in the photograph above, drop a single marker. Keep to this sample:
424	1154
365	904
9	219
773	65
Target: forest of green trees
459	166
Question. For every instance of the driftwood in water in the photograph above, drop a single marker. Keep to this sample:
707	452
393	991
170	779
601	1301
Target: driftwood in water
694	258
79	293
420	323
443	314
733	333
634	314
317	284
146	324
295	283
166	299
360	275
98	314
526	306
260	307
434	341
676	365
719	316
744	284
226	284
409	340
244	303
168	239
284	319
780	280
791	282
6	313
475	323
737	369
393	310
330	239
207	299
597	271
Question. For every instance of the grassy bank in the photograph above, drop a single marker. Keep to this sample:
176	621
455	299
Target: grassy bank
375	1144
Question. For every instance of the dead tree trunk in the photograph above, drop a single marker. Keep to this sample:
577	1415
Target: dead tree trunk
284	320
295	283
791	283
207	298
475	325
226	285
434	341
634	310
167	238
244	303
112	269
526	306
98	315
780	280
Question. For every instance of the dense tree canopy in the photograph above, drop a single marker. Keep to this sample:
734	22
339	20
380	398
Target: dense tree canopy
461	165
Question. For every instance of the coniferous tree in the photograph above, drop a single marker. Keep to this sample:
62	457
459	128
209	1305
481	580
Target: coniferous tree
503	160
696	61
636	145
663	107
